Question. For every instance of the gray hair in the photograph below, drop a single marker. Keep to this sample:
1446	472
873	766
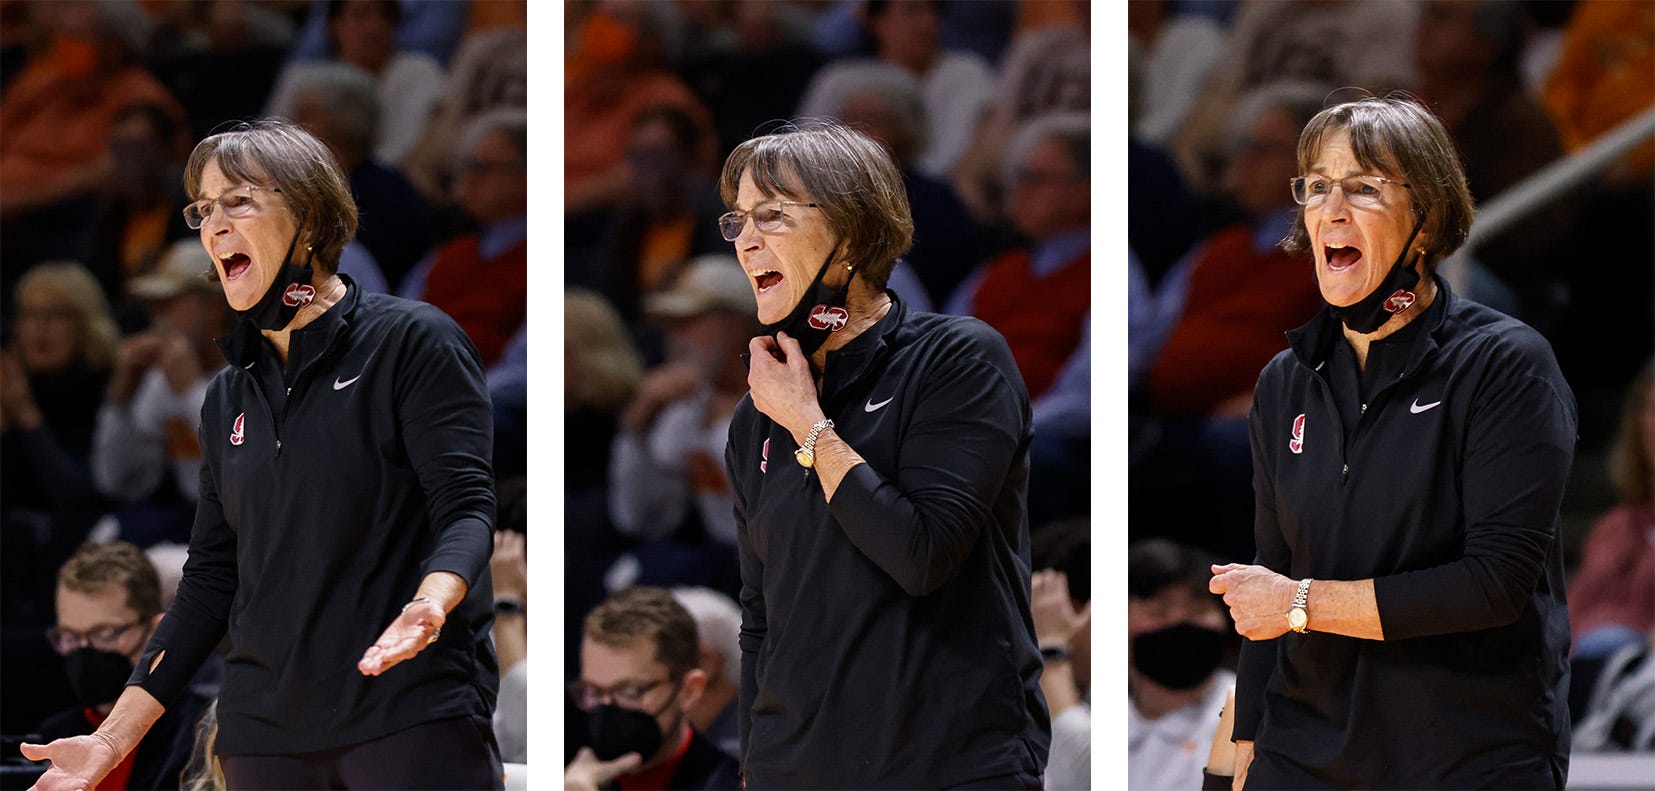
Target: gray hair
1398	137
347	94
1073	130
852	179
900	89
514	122
718	620
1300	99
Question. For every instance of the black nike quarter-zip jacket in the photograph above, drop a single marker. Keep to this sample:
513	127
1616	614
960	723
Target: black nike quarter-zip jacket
328	491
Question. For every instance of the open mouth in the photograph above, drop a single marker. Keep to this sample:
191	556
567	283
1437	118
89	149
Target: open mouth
767	280
235	264
1340	256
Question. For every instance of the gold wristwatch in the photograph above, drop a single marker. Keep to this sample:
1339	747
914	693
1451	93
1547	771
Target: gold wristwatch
1298	619
806	454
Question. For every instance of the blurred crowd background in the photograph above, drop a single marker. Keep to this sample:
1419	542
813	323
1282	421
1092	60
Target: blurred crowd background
984	104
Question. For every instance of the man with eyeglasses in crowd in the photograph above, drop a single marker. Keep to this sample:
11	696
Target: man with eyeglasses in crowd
108	603
639	678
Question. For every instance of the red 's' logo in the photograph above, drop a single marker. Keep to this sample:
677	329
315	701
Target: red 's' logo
1400	300
237	432
823	317
764	454
298	295
1296	444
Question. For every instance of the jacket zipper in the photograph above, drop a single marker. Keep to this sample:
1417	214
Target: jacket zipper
268	412
1327	398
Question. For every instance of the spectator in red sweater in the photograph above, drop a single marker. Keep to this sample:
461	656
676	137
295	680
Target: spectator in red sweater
481	278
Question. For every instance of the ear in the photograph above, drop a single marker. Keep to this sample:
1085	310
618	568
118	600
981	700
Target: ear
695	683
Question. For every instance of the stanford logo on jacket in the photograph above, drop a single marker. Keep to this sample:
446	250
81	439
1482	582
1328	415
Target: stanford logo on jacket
1296	443
238	432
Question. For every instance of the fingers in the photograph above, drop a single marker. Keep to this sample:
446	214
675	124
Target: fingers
396	645
795	355
33	752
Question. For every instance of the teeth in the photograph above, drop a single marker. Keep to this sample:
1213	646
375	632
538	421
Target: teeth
226	256
1335	246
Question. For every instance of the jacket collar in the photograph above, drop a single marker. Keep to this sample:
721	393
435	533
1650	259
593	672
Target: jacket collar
305	346
854	360
1313	343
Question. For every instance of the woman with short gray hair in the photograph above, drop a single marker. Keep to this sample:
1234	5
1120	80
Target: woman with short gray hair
886	638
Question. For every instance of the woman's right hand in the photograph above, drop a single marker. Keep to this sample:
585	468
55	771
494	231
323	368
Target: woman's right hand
79	763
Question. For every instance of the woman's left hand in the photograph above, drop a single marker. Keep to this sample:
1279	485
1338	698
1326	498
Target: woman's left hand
1258	598
783	389
414	629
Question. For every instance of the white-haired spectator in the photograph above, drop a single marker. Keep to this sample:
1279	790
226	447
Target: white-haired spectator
718	621
490	71
338	103
362	33
956	86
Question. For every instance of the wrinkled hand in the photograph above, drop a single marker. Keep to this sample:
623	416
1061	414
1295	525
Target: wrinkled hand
783	389
661	387
1258	598
509	565
587	773
79	763
408	634
1055	617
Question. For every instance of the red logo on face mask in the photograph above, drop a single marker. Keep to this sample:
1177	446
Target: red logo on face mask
298	295
823	317
238	433
1399	301
1296	444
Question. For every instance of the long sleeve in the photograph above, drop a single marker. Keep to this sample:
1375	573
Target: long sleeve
1519	445
1258	659
753	626
448	428
919	522
200	613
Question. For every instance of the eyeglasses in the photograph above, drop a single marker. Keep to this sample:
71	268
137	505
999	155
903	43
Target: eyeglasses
1367	192
104	638
237	201
767	217
590	696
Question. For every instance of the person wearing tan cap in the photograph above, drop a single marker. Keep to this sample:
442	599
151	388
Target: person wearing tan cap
146	426
669	455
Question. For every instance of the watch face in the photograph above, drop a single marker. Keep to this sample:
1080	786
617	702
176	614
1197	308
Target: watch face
805	457
1296	619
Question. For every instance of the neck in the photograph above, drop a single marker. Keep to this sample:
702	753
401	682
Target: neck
328	294
1359	342
866	307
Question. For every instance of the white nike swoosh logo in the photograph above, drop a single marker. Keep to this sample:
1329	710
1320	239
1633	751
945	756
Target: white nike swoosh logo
1417	407
340	384
872	407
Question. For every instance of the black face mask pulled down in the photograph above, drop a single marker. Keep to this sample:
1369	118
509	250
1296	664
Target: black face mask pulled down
1393	295
97	677
616	731
820	312
289	290
1180	656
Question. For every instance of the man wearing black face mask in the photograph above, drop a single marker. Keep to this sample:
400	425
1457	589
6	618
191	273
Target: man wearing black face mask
638	680
108	602
1178	633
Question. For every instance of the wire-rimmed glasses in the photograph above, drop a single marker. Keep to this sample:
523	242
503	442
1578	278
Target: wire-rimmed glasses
1367	192
589	696
767	217
238	201
104	638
